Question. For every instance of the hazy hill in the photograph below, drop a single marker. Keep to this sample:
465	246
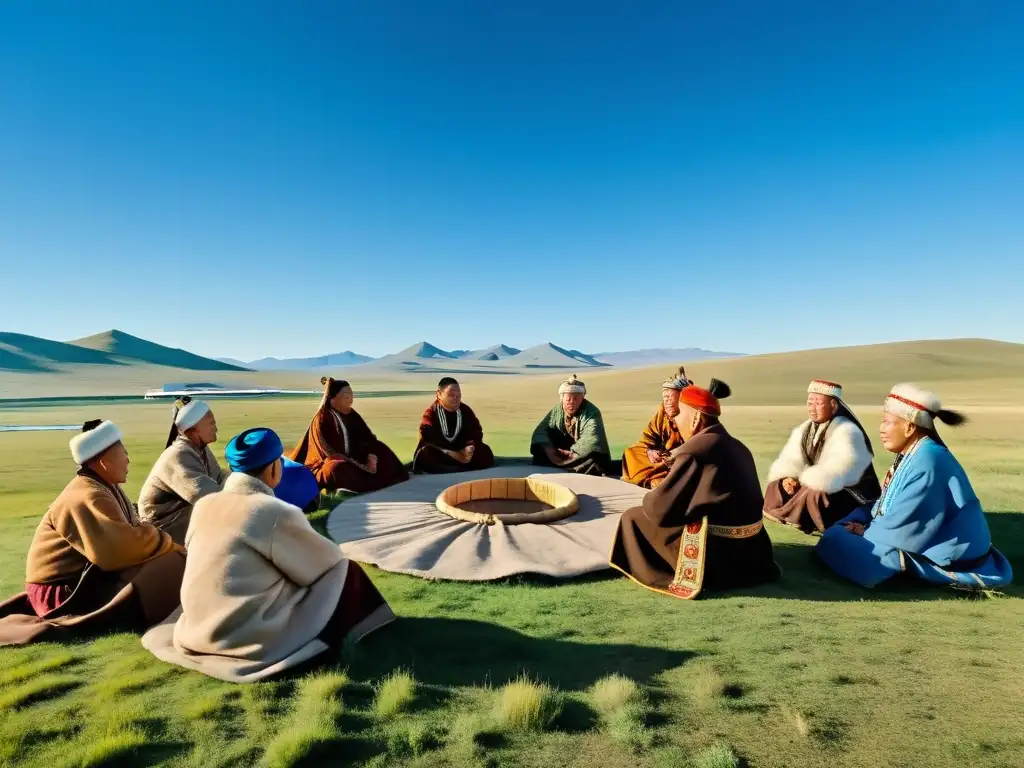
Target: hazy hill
19	352
126	347
552	356
336	360
641	357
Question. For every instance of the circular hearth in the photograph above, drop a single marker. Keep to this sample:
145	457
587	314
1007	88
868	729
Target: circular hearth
508	500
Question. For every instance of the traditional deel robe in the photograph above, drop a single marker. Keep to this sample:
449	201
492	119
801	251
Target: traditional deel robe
93	566
832	463
928	522
182	475
661	434
263	591
336	447
439	429
701	528
582	434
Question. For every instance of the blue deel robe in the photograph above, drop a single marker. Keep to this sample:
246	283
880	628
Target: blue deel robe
298	486
928	522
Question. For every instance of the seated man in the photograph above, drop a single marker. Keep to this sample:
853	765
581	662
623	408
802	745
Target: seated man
701	528
186	471
451	437
928	521
92	565
571	436
824	471
263	591
341	450
647	463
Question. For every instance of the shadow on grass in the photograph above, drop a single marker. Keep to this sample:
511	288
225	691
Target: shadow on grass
461	652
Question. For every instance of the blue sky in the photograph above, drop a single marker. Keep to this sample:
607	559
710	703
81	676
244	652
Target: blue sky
251	179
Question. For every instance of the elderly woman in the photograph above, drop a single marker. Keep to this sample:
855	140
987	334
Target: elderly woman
451	436
701	528
647	462
263	592
92	565
571	436
928	521
340	449
186	471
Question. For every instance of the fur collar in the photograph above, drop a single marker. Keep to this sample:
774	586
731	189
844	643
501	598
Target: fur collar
247	485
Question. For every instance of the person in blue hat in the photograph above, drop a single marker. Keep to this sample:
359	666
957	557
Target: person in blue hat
263	591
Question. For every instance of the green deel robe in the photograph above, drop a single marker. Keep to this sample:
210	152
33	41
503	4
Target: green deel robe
590	443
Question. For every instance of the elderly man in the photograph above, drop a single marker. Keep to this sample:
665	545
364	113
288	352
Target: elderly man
451	436
928	521
647	463
92	565
571	436
701	528
824	471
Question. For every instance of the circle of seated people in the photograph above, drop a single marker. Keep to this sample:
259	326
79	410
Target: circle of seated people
509	501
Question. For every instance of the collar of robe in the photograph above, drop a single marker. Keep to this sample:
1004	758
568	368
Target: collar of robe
247	485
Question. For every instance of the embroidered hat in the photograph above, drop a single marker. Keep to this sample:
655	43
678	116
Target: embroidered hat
572	386
919	406
706	400
677	380
95	437
256	447
188	412
827	388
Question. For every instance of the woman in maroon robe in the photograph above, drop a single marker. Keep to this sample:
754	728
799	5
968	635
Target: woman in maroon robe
340	449
451	438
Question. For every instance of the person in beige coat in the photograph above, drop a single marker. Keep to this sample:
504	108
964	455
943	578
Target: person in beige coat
186	471
263	591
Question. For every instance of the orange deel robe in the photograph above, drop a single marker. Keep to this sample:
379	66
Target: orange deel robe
660	435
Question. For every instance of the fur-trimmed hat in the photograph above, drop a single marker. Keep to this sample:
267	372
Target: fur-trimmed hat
919	406
95	437
572	386
827	388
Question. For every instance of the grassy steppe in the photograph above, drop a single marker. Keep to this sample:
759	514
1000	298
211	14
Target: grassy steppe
808	671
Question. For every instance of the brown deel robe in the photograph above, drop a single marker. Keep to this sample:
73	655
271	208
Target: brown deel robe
701	528
339	464
660	435
118	573
467	431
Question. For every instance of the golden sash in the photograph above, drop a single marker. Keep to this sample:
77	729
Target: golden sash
689	577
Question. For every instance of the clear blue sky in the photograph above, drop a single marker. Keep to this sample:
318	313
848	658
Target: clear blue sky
290	179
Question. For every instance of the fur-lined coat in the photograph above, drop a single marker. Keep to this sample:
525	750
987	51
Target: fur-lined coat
843	457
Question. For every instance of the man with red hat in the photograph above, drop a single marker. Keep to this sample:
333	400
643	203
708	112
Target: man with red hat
701	528
824	471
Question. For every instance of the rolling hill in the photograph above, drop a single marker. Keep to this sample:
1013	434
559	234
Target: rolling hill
132	349
20	352
640	357
335	360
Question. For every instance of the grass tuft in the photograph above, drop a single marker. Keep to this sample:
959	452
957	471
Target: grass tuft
40	688
112	746
31	669
707	687
624	708
800	723
527	705
717	756
395	693
313	721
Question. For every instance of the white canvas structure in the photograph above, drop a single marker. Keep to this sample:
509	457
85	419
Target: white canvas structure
400	529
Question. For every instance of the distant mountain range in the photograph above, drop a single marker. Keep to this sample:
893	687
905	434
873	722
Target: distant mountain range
641	357
337	360
31	354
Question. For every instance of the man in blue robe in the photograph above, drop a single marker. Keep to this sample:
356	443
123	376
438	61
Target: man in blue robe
928	521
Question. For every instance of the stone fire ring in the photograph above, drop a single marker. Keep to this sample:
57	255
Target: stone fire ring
560	501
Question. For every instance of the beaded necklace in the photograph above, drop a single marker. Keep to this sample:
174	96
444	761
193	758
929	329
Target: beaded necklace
444	423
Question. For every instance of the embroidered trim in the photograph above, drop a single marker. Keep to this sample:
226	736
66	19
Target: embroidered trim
911	403
879	509
344	430
689	577
444	423
736	531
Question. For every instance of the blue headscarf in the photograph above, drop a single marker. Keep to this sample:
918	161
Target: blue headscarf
252	449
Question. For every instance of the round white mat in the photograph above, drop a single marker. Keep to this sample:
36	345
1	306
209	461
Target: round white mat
400	529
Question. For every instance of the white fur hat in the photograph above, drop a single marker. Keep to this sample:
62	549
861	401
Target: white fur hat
572	386
91	443
828	388
190	414
914	404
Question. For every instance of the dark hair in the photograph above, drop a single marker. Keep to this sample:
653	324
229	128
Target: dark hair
446	382
90	425
332	386
178	405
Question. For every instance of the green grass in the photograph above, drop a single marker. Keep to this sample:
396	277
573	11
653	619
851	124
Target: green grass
809	671
395	693
527	705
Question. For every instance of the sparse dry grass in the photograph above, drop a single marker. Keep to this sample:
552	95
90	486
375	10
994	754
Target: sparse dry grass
527	705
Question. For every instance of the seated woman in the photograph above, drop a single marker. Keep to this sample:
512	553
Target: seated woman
647	462
341	451
928	521
92	565
451	437
263	591
701	528
186	471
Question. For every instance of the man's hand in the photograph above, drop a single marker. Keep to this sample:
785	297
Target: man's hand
553	454
655	456
371	464
855	528
463	457
790	485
